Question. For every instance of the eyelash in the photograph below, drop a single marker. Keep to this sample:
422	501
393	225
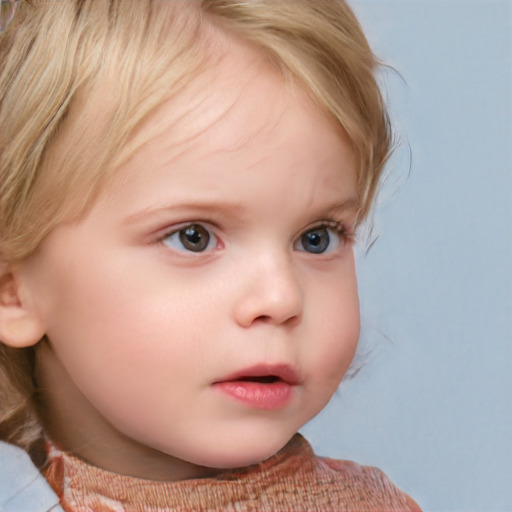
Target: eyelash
345	236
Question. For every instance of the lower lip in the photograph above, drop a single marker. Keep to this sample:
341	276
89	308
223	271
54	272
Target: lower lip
275	395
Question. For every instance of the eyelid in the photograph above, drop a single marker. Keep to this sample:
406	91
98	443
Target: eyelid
178	226
341	227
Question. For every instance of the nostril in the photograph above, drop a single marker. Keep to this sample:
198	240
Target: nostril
263	318
289	320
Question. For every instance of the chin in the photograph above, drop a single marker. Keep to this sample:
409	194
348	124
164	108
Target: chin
238	453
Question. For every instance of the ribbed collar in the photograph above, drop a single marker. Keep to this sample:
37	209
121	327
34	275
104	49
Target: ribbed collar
83	487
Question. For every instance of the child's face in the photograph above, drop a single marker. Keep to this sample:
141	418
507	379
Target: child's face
214	262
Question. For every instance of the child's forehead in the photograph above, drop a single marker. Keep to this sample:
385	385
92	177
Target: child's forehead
228	73
231	151
238	80
225	108
223	104
239	115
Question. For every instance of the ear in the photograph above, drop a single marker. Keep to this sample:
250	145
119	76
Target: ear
20	325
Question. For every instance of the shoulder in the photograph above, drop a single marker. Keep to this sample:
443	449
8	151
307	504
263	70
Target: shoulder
306	481
22	487
369	487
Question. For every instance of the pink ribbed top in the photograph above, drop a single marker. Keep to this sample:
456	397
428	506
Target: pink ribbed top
292	480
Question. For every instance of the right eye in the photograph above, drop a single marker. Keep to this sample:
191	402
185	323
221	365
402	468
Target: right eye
191	238
322	239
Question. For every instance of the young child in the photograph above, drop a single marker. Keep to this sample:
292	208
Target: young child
181	183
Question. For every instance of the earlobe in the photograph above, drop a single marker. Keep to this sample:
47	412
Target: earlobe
20	326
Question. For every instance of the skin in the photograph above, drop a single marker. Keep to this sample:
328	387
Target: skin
139	328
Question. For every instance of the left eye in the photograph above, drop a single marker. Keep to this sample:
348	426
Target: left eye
192	238
320	240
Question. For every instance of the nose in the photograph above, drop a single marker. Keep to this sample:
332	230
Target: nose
269	293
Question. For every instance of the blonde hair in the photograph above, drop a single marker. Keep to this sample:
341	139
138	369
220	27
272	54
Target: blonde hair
56	154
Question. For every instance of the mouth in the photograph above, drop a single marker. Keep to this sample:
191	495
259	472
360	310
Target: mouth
264	379
261	387
265	374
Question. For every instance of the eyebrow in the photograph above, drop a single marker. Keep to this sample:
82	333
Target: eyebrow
206	206
352	205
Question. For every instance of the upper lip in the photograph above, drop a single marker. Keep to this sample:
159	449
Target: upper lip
283	372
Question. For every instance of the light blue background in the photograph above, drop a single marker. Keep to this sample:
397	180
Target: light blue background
433	406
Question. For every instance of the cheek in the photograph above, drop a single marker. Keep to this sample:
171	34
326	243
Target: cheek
119	328
331	346
336	329
341	342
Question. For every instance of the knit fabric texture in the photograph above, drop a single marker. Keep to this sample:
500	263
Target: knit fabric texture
292	480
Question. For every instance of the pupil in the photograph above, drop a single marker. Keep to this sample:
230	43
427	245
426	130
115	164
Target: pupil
194	238
316	241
